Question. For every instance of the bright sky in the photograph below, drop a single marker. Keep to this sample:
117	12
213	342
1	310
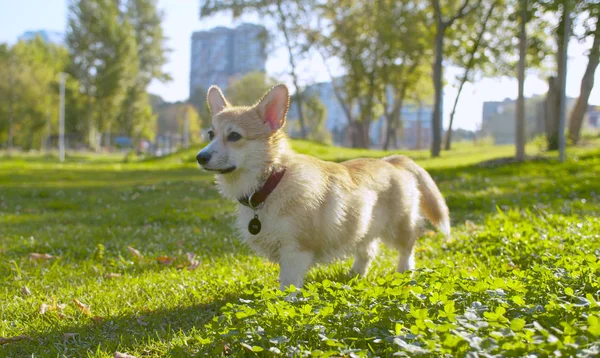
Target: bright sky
182	19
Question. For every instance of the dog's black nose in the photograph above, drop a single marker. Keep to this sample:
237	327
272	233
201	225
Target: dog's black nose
203	158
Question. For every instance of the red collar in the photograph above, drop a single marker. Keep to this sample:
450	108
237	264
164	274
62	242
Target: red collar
256	200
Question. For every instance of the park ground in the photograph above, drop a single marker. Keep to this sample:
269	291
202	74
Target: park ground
99	256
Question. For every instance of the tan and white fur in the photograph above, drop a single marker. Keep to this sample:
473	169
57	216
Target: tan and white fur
320	210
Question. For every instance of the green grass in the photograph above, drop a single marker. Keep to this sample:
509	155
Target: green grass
520	274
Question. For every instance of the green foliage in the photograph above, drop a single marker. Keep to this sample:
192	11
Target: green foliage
518	277
198	100
353	34
137	119
194	122
29	89
316	115
146	20
248	89
405	64
115	54
171	119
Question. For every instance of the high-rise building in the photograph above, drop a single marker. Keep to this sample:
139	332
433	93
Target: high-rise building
222	53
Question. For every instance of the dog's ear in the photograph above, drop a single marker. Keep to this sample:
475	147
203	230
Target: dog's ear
273	107
216	100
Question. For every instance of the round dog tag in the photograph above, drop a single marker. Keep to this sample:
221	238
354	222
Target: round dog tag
254	225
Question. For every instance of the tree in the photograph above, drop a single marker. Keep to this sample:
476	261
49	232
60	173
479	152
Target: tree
422	94
351	35
471	55
179	119
117	73
247	90
587	82
29	72
82	41
526	29
404	60
316	115
442	24
103	50
556	106
137	119
136	115
520	122
7	92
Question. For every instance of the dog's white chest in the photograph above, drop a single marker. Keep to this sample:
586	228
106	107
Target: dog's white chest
273	231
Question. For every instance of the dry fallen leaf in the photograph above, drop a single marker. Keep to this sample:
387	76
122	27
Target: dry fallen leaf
471	225
58	308
68	336
12	339
226	349
123	355
83	308
113	275
41	257
165	260
193	263
141	321
135	252
25	291
97	319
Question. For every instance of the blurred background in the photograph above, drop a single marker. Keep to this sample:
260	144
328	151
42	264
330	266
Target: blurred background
406	74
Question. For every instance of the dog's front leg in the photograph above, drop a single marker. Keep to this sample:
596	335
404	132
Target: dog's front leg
293	265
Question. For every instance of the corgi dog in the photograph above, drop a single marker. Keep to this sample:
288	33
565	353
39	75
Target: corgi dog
298	210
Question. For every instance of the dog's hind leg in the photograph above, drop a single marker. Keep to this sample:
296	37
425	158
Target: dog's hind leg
405	244
365	252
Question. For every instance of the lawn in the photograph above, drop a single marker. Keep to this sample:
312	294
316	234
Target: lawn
99	256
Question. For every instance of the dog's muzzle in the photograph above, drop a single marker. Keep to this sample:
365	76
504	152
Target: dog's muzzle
203	158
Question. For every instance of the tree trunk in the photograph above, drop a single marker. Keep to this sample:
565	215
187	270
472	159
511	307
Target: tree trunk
47	139
107	139
441	26
551	115
419	124
92	135
520	122
449	132
11	107
357	135
436	121
11	114
388	131
557	104
587	83
288	44
465	76
562	73
393	119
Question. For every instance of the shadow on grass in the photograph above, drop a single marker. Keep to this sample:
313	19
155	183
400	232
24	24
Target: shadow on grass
118	333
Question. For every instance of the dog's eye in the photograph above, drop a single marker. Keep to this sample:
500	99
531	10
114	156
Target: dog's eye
211	135
234	136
